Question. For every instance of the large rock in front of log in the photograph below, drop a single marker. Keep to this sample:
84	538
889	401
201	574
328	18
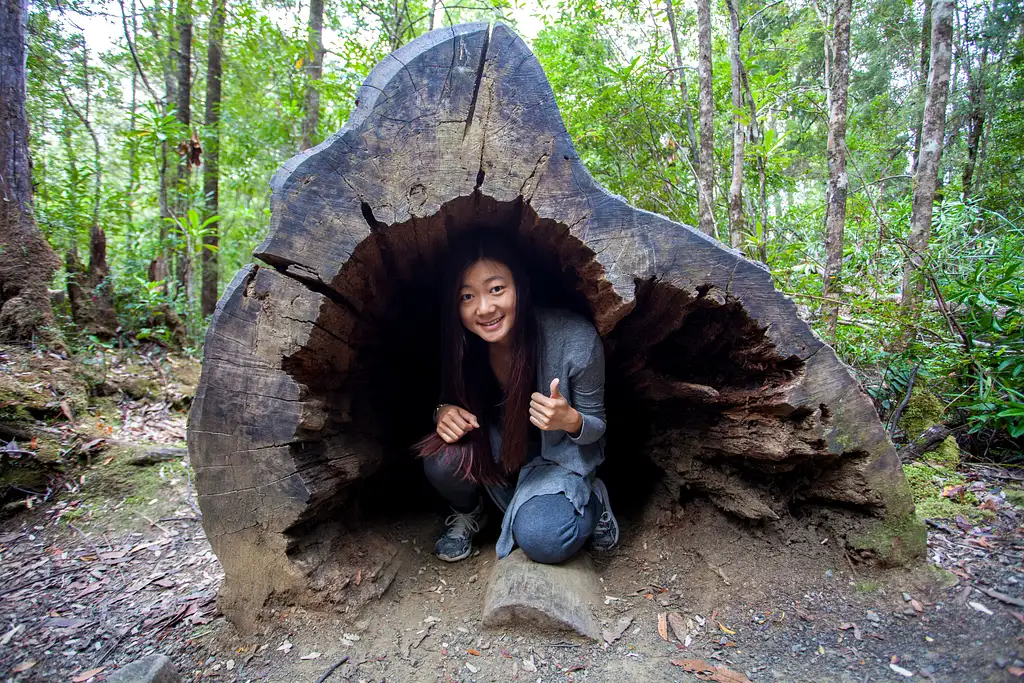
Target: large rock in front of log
321	367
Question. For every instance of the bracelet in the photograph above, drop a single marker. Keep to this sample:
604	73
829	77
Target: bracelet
438	408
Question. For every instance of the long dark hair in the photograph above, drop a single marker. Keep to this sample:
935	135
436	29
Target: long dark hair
466	377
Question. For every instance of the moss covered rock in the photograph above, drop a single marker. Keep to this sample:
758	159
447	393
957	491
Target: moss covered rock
924	411
893	541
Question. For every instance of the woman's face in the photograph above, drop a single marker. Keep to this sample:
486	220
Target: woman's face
487	300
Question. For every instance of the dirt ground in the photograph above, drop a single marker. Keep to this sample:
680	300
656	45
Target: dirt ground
110	563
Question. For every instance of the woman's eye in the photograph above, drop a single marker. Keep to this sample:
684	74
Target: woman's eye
465	297
497	289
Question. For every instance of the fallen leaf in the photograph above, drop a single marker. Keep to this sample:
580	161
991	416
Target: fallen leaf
916	604
675	620
1017	615
65	408
980	607
473	651
311	655
720	674
901	671
24	666
726	629
529	666
1017	671
663	626
856	629
359	577
86	675
472	669
284	647
613	634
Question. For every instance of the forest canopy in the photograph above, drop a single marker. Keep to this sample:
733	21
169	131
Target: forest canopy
868	153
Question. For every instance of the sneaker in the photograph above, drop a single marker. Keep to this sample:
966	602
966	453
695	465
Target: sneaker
606	534
457	541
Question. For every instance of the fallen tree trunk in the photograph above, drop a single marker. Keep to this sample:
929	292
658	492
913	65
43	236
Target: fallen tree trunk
321	368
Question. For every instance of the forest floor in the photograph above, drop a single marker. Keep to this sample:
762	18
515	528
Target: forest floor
107	561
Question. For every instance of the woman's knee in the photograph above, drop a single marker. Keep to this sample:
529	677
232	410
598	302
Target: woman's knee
547	529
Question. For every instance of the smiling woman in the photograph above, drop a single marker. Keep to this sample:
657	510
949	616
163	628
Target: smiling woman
536	454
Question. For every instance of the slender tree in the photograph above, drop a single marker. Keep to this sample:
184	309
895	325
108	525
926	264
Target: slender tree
27	263
706	161
90	293
926	49
932	133
736	220
835	157
314	71
187	147
211	161
691	135
975	121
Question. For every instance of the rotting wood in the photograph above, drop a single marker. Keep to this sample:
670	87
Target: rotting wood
713	380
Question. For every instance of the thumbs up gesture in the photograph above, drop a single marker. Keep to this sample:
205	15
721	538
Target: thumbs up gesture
550	413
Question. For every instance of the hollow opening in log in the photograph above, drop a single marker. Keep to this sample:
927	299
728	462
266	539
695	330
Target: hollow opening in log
695	391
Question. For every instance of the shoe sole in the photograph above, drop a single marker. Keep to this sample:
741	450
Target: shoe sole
449	558
602	493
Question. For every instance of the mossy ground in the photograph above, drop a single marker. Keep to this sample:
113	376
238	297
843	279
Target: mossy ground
114	493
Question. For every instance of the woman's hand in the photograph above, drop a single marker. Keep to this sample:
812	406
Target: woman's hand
453	422
554	412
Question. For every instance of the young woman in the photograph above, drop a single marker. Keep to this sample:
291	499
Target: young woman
522	414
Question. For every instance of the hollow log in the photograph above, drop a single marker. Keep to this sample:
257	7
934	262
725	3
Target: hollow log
321	363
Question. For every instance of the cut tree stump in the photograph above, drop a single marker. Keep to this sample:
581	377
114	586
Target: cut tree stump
321	367
558	597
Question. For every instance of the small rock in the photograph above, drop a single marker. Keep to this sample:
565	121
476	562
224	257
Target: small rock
152	669
906	597
472	669
873	616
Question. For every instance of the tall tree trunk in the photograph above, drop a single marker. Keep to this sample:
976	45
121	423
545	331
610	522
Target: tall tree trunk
27	263
314	71
975	122
932	131
159	269
691	135
736	222
706	162
835	156
183	112
211	163
926	49
756	137
90	295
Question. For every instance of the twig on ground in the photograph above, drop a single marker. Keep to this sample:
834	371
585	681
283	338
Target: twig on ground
180	519
1002	597
87	539
333	668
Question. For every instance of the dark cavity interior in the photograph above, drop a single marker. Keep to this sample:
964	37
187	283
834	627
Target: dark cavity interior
676	361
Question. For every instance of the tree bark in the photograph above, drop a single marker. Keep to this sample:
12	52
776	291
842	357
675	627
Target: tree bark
932	131
186	147
706	162
691	135
737	228
975	123
314	71
27	263
211	160
714	383
922	89
835	156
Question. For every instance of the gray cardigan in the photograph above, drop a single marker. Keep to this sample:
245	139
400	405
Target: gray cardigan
570	349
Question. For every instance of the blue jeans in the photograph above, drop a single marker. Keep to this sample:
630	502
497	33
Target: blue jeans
547	528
